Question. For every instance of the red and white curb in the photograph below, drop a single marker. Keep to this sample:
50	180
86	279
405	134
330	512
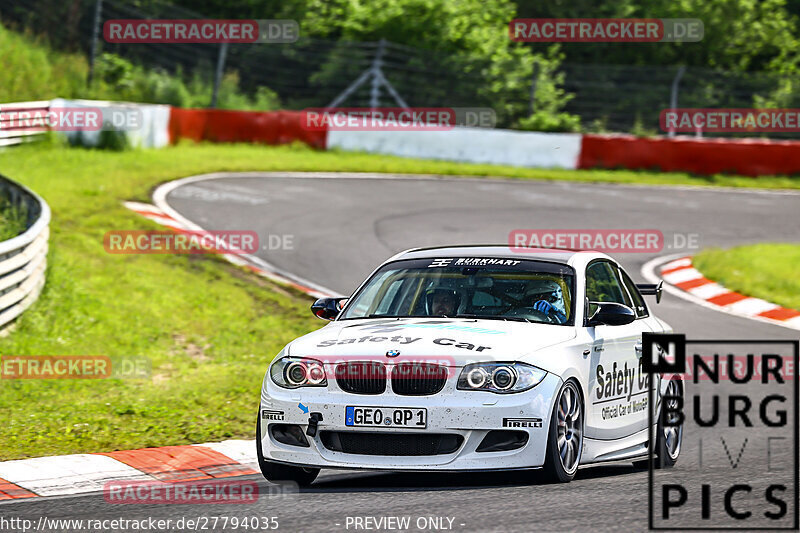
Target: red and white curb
179	224
689	283
83	473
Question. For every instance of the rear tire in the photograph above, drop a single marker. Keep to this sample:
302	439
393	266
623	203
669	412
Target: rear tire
281	473
565	436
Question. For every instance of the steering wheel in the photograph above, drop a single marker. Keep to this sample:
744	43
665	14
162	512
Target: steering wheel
482	309
529	312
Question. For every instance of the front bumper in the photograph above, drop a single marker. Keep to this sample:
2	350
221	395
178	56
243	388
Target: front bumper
468	414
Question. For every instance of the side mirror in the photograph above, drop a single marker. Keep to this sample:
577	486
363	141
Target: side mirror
328	308
611	314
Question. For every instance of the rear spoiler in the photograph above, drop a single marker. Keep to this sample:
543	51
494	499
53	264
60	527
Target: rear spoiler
651	289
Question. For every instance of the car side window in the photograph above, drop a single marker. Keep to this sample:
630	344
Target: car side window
638	302
603	285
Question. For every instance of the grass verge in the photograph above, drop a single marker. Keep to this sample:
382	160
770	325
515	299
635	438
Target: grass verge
209	329
12	219
767	271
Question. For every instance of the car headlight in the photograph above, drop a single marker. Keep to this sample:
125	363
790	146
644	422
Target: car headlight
501	378
296	372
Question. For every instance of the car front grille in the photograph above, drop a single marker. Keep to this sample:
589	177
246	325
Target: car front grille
361	377
396	444
418	379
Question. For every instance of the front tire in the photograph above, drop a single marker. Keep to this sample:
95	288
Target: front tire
565	437
280	473
669	438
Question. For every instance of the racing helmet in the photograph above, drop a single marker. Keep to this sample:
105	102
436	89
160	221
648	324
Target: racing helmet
435	293
543	289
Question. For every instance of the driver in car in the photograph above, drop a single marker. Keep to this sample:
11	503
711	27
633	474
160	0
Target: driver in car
444	302
545	293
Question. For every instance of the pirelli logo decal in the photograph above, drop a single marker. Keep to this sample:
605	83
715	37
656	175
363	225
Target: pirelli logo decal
522	422
271	415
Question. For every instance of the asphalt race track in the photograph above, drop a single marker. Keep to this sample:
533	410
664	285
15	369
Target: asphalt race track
343	227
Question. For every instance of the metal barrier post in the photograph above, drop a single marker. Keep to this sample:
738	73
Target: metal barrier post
223	52
98	11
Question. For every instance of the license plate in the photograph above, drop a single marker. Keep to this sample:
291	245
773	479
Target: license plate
390	417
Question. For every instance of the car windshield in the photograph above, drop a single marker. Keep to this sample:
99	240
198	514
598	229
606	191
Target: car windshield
468	287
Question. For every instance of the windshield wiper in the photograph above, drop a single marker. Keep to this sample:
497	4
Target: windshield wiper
378	315
460	315
493	317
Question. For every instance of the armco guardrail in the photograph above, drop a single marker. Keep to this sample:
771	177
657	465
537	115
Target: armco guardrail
23	128
23	259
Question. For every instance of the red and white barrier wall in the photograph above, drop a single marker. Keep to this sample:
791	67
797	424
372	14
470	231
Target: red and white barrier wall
149	129
216	125
469	145
746	157
749	157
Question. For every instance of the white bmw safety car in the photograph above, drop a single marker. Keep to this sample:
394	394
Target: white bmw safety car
470	358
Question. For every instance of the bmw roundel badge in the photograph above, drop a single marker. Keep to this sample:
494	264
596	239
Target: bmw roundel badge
392	353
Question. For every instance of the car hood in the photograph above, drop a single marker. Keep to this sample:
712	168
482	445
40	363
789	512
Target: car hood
456	341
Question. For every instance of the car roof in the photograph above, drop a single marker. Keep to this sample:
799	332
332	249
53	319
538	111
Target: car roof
500	251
